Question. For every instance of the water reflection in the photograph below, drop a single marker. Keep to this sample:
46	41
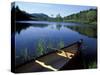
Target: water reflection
20	27
23	26
90	31
58	26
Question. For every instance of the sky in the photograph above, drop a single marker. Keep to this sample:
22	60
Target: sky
51	9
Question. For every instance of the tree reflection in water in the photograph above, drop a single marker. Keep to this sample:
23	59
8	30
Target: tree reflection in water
90	31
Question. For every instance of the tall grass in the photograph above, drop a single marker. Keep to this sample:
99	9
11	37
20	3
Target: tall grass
92	65
61	44
40	47
24	54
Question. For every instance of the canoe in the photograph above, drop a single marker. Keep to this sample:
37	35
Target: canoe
52	61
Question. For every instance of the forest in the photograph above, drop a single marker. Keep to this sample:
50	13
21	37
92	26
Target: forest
87	16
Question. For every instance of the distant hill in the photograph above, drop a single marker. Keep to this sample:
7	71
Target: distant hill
40	16
86	16
22	15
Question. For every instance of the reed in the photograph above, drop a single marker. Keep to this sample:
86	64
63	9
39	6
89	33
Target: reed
61	44
40	47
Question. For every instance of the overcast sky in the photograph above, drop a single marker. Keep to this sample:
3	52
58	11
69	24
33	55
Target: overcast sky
51	9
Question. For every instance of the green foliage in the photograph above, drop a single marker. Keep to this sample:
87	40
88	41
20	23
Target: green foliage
40	47
40	17
61	44
90	31
92	65
91	16
58	18
87	16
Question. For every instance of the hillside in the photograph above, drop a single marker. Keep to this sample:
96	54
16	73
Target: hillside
87	16
22	15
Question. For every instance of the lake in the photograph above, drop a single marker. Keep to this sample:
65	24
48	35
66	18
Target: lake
34	37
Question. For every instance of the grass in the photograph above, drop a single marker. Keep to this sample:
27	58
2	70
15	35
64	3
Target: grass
82	22
92	65
61	44
40	47
25	54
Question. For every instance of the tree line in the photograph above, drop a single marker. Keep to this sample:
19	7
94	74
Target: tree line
87	16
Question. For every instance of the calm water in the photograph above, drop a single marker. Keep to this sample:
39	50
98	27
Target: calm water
33	38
